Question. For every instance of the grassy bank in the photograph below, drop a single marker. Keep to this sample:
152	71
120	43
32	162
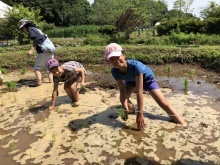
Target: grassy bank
15	57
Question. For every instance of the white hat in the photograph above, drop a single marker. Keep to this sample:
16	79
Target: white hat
112	50
23	22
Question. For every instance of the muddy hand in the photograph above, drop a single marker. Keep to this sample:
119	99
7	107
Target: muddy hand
140	121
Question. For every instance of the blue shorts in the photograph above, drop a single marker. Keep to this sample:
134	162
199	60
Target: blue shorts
148	85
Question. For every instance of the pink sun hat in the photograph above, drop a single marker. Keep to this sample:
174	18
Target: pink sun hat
52	62
112	50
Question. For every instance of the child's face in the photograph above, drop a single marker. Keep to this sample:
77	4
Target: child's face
24	29
57	71
117	62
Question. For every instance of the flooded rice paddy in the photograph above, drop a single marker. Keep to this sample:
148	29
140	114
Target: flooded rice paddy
91	131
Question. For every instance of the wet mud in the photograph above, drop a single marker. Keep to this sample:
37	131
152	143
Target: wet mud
92	132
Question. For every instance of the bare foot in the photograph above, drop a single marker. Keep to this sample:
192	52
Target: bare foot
39	83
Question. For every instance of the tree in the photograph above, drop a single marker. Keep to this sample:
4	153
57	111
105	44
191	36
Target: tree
106	12
150	11
59	12
183	5
212	11
13	16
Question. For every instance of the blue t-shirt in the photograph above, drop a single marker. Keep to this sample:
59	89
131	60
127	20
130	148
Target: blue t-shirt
135	68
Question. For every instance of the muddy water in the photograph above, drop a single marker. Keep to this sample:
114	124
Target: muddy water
91	141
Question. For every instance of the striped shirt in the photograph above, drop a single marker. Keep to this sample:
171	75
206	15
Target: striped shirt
70	72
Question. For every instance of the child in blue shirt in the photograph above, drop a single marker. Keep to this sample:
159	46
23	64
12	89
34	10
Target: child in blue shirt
131	75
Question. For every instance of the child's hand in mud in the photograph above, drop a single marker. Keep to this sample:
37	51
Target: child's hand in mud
140	121
51	107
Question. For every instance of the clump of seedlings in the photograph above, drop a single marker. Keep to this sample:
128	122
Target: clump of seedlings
192	73
185	142
117	143
44	133
3	70
162	136
11	85
23	70
82	89
186	84
169	69
12	146
122	113
53	137
141	153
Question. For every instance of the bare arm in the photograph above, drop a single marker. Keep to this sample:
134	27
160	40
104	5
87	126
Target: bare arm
140	116
123	94
54	95
82	73
31	51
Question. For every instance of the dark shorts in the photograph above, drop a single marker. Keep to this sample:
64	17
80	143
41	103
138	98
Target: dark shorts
148	85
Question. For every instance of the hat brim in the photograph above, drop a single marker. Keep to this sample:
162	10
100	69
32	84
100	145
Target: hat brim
22	26
53	66
113	54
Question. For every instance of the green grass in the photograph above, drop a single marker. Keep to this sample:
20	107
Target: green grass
15	57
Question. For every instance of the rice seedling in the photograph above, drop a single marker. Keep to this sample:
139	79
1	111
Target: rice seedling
129	130
27	102
162	136
14	98
12	146
82	89
51	125
107	70
31	158
23	70
2	102
59	110
186	84
53	137
27	128
185	142
141	153
44	133
173	162
192	73
217	160
11	85
169	69
92	66
121	113
3	70
117	143
3	141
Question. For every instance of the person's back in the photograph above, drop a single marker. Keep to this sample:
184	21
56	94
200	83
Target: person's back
43	46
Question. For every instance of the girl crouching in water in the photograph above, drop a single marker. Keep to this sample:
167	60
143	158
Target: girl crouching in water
132	74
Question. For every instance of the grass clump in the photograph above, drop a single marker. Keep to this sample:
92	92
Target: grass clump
11	85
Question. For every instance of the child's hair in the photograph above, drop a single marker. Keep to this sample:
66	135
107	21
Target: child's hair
30	24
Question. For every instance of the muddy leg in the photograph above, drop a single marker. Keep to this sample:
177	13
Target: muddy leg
165	105
38	77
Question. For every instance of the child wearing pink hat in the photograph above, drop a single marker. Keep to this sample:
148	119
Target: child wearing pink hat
70	73
132	74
